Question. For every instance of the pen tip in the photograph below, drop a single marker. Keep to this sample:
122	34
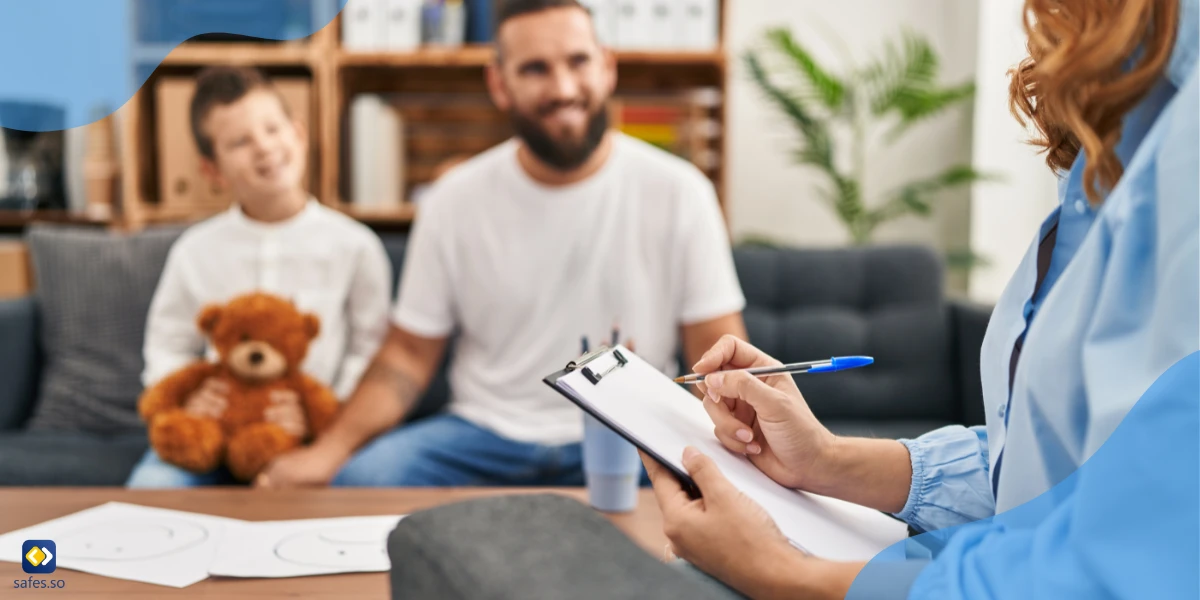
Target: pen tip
679	379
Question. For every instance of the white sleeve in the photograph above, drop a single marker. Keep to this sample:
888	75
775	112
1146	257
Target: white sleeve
173	339
709	286
425	298
367	306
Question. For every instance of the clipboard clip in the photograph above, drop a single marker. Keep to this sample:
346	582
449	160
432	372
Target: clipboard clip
591	374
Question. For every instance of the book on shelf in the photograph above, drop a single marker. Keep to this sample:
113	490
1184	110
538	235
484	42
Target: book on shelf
682	125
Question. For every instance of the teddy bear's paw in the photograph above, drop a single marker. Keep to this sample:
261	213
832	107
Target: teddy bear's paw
253	447
189	442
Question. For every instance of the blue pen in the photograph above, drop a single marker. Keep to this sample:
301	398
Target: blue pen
837	363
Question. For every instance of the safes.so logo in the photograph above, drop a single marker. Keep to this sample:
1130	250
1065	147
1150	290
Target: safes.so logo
37	556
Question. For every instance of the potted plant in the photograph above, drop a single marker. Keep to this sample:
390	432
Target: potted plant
894	91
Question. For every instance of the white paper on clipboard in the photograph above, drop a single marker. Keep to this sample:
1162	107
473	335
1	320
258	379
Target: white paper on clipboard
656	411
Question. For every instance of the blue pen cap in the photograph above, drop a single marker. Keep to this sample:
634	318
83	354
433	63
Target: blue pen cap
851	362
841	363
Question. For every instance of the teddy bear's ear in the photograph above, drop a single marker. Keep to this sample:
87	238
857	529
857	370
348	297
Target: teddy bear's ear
312	326
208	318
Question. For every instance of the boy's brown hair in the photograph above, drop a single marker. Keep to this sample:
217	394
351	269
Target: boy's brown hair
218	86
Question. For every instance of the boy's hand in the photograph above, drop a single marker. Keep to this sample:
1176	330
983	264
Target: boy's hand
209	400
285	411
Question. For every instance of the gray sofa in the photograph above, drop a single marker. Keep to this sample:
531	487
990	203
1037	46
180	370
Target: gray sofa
70	354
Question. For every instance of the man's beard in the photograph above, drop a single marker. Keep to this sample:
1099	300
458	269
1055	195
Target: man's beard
562	155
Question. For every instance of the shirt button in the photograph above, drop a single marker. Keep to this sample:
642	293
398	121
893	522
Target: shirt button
1002	410
1080	206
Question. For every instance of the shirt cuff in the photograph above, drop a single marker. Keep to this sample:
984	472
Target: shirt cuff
712	308
420	325
916	490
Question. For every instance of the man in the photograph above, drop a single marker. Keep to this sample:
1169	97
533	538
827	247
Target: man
561	233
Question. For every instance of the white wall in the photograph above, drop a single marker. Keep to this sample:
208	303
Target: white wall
1006	214
771	196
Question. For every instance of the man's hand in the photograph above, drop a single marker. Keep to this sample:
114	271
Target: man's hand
286	412
725	533
311	466
209	400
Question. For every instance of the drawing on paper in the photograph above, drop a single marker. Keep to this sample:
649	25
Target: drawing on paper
360	547
131	539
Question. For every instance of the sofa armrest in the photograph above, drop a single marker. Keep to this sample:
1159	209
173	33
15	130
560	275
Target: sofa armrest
19	360
969	322
526	546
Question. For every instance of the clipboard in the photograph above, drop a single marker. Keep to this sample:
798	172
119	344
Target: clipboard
660	417
595	376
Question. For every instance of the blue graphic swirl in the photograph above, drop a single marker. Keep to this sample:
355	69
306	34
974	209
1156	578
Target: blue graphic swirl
67	63
1126	524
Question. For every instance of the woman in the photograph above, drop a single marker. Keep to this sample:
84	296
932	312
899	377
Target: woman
1104	303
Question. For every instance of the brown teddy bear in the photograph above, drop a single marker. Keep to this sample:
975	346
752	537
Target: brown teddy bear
261	340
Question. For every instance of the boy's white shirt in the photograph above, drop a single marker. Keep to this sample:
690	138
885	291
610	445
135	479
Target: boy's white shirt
327	263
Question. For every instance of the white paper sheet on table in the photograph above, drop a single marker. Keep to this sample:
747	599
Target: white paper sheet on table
305	547
660	414
126	541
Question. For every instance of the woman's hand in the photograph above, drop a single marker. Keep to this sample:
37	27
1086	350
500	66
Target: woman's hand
731	537
725	534
766	419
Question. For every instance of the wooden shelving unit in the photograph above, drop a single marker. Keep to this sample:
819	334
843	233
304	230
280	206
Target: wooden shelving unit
337	75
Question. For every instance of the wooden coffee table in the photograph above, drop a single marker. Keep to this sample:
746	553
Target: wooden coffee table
22	507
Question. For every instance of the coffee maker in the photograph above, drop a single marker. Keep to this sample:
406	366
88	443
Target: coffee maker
32	159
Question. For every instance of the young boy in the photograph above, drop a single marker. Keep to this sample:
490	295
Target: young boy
276	238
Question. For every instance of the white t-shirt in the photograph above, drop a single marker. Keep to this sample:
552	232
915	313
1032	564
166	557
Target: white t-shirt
325	262
521	272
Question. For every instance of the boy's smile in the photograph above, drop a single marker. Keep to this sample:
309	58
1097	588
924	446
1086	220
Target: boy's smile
259	150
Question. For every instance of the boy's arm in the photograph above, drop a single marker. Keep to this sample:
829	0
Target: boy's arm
172	337
367	308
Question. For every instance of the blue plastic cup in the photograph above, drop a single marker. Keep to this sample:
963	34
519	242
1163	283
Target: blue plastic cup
611	468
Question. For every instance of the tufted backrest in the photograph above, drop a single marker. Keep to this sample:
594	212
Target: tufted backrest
885	302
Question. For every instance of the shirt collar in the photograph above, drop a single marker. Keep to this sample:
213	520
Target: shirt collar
1187	40
239	217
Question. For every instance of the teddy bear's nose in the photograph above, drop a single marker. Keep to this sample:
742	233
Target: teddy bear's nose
256	357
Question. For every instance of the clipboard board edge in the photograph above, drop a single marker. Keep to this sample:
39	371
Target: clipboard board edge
685	481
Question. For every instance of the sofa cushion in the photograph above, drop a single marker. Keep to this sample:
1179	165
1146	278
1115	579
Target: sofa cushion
885	302
30	458
93	291
18	360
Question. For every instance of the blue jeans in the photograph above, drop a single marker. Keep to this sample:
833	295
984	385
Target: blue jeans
152	472
449	451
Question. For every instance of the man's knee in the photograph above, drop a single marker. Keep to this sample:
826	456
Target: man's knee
406	457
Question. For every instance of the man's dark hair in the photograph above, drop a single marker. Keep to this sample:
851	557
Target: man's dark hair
219	86
509	9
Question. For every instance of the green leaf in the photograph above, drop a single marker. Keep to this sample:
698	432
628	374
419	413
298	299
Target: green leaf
965	259
915	203
827	88
913	198
916	104
952	177
912	66
818	146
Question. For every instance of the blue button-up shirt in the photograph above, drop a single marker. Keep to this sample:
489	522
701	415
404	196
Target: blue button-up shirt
1117	307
